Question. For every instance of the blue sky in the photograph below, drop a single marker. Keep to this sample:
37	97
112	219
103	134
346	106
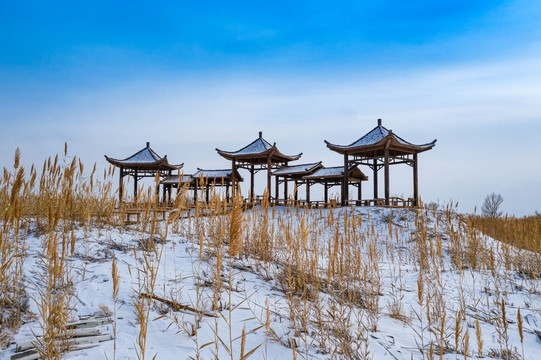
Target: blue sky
107	76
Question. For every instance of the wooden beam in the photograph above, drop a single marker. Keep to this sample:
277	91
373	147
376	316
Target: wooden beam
415	182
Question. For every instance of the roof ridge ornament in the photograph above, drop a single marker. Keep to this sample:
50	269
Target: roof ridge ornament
379	122
261	134
148	144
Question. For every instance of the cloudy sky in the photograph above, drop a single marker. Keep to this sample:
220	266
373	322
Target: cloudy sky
190	76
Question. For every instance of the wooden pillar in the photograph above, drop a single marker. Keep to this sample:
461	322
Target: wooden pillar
269	177
326	192
359	193
207	190
135	186
307	184
387	190
285	190
121	185
227	192
195	184
415	182
375	176
163	192
233	179
252	183
296	197
276	188
157	189
345	181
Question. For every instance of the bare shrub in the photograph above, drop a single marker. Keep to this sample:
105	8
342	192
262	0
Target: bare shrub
491	205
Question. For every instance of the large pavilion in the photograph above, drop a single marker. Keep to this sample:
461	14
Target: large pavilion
256	156
378	149
144	163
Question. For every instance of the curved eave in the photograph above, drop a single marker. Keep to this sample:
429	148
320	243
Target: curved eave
394	145
283	157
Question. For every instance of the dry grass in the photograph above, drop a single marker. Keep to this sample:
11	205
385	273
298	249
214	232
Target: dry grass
340	271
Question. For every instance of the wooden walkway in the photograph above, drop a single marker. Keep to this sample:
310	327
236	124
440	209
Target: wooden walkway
135	213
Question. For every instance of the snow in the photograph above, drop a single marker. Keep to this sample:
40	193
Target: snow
184	267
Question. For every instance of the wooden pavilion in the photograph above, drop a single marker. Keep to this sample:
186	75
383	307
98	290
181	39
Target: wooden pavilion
333	176
256	156
175	181
293	173
144	163
378	149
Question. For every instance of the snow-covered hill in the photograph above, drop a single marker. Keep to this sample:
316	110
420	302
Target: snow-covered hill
317	284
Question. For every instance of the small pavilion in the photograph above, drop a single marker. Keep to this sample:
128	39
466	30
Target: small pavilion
256	156
293	173
206	179
378	149
144	163
333	176
175	181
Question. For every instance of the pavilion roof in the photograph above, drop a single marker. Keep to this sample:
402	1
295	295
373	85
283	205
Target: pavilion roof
258	151
176	179
336	173
376	140
297	170
144	159
216	175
